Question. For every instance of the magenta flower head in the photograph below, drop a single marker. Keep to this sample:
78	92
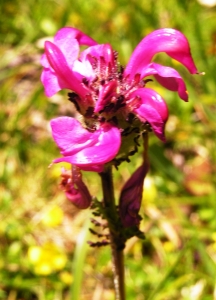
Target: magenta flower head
114	103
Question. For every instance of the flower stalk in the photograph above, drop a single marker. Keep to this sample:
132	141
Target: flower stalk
116	243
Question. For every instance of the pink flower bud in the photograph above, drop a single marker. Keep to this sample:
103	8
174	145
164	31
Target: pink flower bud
75	189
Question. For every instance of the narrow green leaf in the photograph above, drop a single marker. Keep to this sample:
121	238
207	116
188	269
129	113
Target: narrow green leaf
79	261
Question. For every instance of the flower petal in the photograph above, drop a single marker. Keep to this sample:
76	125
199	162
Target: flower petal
67	33
70	136
83	70
167	77
104	51
70	50
79	195
82	148
51	83
106	92
44	61
152	109
167	40
60	69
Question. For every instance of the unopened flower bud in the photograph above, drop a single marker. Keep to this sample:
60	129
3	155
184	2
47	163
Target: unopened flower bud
131	197
75	189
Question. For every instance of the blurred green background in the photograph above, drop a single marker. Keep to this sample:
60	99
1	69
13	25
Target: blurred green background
43	250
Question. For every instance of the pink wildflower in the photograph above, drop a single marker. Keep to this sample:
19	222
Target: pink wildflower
115	104
75	189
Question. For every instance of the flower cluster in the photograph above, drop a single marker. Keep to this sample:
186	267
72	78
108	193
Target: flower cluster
114	102
115	105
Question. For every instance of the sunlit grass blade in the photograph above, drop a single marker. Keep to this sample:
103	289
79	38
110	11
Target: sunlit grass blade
79	260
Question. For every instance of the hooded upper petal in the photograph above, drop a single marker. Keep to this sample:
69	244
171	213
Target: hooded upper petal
69	48
104	51
68	33
59	62
152	109
68	40
167	40
84	148
167	77
60	69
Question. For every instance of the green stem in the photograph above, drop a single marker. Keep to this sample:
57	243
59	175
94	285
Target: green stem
115	241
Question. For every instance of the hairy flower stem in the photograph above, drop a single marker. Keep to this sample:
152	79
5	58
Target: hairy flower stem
117	245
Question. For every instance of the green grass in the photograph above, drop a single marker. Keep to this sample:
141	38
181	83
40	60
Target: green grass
177	259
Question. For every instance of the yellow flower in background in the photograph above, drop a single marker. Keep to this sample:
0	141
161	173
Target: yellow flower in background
149	191
66	277
59	261
53	217
214	236
34	253
46	259
43	269
169	246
